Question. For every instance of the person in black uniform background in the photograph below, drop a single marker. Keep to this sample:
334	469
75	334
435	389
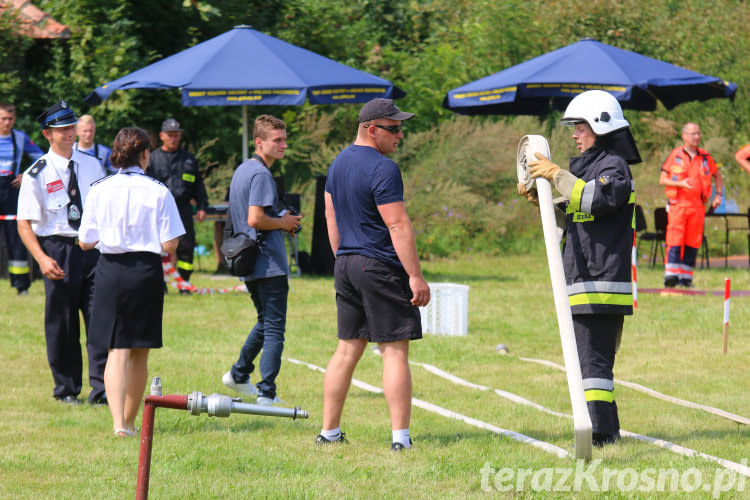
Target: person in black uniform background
50	203
178	170
597	247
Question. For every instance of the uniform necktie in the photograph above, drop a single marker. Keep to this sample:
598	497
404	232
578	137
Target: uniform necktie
75	207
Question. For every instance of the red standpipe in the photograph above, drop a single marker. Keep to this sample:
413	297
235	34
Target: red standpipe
176	402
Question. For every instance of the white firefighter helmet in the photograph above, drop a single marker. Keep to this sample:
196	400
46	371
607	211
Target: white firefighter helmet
599	109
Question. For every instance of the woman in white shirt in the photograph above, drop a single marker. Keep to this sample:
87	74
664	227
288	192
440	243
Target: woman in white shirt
130	218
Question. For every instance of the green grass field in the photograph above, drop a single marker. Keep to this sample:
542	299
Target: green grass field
671	344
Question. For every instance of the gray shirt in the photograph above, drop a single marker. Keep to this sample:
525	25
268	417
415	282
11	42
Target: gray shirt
253	185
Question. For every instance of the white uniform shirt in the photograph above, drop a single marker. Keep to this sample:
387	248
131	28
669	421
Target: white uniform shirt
130	212
43	199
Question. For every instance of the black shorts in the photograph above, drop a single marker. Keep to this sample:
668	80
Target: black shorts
372	301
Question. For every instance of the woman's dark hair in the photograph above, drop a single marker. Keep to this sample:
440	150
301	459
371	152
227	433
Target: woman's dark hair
129	144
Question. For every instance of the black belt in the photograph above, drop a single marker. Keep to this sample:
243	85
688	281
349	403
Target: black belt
71	240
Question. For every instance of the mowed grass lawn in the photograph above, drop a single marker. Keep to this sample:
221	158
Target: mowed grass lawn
671	344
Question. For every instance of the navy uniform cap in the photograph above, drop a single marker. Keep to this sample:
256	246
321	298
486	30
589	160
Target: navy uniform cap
57	115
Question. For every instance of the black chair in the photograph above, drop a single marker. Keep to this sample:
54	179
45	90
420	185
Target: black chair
656	238
704	252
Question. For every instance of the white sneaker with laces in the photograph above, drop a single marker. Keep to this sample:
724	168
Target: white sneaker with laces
247	388
264	401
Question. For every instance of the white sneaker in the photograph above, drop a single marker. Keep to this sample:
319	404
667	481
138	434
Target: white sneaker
264	401
246	388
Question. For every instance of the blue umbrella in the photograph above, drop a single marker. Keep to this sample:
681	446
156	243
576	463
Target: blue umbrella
246	67
553	79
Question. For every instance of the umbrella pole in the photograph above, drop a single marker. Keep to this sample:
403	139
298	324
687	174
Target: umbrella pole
244	133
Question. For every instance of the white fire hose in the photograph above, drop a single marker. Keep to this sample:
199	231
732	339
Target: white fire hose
529	145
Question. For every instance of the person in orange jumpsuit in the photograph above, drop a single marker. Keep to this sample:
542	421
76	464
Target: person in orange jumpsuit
686	176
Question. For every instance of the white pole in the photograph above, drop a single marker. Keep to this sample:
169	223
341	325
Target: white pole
244	134
581	421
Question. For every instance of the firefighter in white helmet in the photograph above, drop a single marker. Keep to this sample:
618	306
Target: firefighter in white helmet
597	246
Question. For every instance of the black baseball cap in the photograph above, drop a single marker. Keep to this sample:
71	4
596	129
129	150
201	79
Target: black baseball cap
171	125
382	108
57	115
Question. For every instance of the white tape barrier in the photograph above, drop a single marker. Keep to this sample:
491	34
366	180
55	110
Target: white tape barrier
638	387
667	445
582	428
517	436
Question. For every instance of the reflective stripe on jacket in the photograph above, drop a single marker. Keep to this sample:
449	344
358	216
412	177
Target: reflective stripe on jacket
598	245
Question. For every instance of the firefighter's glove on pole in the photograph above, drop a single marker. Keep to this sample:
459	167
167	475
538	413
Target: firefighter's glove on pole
562	179
530	195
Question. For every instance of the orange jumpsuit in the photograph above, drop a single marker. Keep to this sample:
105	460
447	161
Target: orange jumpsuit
686	208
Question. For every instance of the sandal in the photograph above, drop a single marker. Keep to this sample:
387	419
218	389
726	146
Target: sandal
125	433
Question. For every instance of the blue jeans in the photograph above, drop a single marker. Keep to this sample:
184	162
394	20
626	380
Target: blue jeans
269	296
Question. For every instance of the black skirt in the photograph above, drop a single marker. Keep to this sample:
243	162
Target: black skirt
128	301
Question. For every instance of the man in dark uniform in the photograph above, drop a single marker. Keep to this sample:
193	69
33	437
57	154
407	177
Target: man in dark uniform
50	204
178	170
14	144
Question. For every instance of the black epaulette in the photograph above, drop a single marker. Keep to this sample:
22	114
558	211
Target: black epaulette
102	179
37	167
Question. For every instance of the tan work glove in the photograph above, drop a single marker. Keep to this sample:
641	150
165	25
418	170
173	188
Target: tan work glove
542	167
529	195
561	178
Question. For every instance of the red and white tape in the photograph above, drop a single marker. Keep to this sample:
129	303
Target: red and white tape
8	217
173	278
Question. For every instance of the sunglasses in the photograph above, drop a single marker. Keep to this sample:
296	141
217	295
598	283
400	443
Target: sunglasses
393	129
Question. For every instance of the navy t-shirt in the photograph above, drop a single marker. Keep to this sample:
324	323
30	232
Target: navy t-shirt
360	179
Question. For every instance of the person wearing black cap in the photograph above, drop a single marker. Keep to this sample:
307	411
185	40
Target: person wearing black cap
377	275
178	170
50	205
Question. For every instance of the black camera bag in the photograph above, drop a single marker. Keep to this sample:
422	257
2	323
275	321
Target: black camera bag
239	249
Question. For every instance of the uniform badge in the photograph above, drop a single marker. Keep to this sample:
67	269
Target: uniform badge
678	160
677	169
73	212
63	104
55	186
604	179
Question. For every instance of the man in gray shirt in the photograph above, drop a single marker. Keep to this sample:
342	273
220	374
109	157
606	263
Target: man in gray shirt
255	207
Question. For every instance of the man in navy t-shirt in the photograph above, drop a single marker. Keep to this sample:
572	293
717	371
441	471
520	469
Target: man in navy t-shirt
377	276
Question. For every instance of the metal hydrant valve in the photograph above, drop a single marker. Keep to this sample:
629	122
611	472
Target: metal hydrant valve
216	405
